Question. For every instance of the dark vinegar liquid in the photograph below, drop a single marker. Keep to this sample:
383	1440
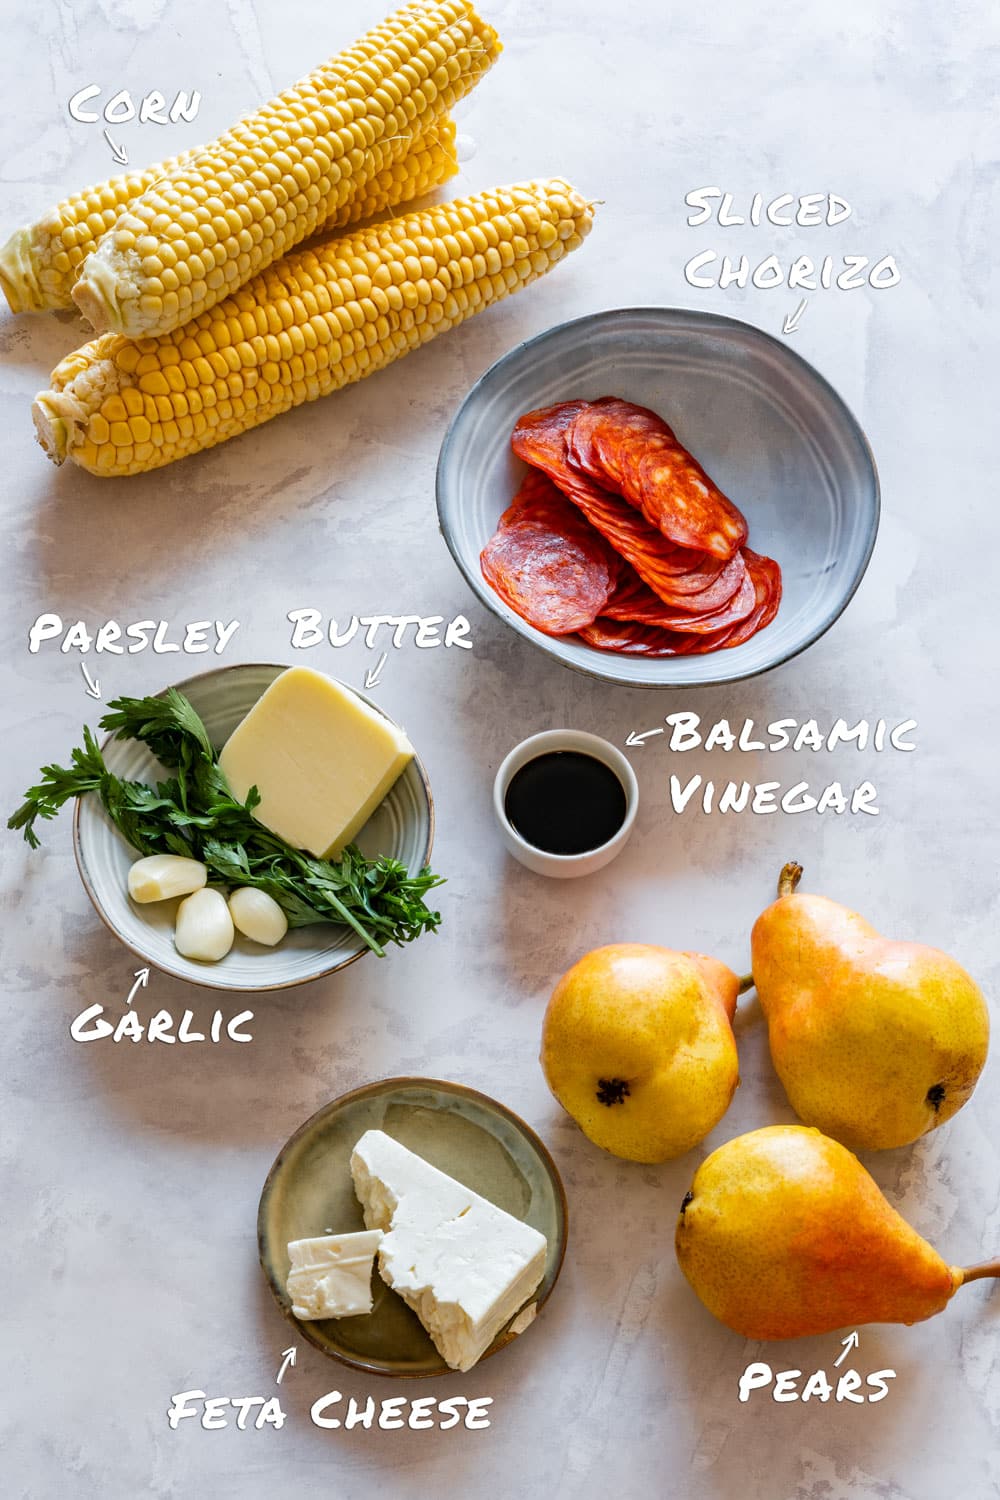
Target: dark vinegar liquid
565	802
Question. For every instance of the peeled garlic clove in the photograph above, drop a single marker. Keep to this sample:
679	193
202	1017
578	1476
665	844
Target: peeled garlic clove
160	876
258	916
204	927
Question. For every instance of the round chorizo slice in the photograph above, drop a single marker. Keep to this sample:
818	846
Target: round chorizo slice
547	562
631	449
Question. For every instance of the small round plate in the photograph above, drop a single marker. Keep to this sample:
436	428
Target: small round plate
309	1192
403	826
767	427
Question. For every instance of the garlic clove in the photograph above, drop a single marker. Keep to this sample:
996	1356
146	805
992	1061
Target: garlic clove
258	916
204	927
160	876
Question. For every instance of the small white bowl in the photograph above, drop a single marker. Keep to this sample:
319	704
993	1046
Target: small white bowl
565	866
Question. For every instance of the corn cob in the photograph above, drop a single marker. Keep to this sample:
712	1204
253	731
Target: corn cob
276	177
315	321
40	263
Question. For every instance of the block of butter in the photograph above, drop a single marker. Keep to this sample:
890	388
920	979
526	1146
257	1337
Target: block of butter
464	1265
321	759
331	1277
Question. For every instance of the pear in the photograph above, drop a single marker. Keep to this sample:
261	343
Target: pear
875	1041
784	1234
638	1046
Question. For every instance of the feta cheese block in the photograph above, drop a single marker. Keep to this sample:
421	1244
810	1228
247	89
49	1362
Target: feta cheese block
321	759
462	1264
331	1277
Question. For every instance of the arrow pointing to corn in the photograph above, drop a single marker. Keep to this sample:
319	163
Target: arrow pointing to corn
118	152
374	673
141	981
640	739
851	1342
93	688
792	319
289	1359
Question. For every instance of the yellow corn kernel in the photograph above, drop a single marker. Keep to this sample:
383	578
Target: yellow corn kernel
154	384
317	346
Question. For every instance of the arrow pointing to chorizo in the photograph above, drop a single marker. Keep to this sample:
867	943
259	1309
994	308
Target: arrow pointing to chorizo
141	981
851	1342
289	1359
118	152
640	739
792	320
93	688
374	673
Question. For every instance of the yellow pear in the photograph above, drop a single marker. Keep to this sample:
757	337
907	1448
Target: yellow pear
875	1041
784	1233
638	1046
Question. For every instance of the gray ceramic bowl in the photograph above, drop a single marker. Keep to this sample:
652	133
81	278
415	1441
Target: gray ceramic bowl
765	425
402	826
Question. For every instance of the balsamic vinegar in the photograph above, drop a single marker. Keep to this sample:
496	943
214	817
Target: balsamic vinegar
565	802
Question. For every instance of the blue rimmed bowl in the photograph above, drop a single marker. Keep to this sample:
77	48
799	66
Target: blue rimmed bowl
772	433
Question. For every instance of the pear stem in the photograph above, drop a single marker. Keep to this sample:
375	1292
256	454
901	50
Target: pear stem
981	1272
789	878
746	983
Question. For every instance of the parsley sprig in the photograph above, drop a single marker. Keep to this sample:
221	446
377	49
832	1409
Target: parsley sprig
194	813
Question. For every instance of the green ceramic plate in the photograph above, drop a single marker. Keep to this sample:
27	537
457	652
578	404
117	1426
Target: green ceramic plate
309	1192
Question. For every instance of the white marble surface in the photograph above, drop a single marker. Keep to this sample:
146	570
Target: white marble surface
131	1174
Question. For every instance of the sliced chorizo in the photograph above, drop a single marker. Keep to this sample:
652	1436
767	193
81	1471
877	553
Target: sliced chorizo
634	600
630	639
766	576
547	562
632	450
673	573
